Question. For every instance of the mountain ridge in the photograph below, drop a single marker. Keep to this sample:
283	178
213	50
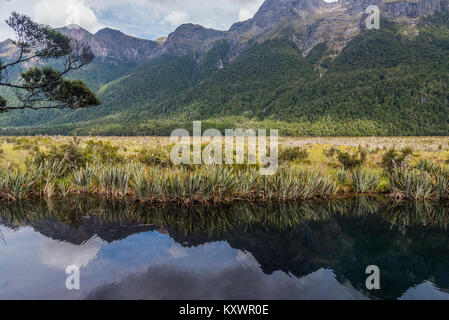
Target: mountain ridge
305	66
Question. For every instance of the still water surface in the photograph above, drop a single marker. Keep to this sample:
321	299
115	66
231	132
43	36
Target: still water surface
309	250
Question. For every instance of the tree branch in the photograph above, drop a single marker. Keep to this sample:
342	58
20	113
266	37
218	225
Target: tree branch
45	88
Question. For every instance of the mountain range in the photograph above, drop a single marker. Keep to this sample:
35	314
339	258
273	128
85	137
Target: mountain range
307	67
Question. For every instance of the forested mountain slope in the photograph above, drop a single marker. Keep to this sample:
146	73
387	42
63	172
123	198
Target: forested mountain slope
391	81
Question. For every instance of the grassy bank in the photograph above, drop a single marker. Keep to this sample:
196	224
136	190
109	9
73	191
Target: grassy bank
140	169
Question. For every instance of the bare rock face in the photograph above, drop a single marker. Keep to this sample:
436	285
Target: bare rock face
393	9
414	9
273	12
305	22
114	44
189	38
7	48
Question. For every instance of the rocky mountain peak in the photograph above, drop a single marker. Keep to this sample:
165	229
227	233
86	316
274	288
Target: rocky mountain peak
305	22
189	38
7	48
75	32
398	8
114	44
109	32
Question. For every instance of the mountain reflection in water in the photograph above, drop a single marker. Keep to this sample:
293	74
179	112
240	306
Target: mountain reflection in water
307	250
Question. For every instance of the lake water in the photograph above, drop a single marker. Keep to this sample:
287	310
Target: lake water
308	250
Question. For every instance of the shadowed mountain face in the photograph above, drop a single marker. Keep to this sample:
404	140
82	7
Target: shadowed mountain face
323	247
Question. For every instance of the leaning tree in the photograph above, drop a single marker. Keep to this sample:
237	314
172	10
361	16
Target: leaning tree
42	86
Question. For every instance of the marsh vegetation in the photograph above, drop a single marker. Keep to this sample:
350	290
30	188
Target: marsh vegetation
141	170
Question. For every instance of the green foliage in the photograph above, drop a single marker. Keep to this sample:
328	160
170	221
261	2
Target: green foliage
50	43
83	179
317	53
155	156
75	94
70	156
114	180
442	186
412	184
351	160
291	154
393	159
23	143
363	181
415	183
432	169
330	153
382	83
290	184
16	185
2	101
342	178
102	151
44	87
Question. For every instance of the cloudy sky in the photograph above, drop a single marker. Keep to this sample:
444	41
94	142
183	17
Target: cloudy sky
148	19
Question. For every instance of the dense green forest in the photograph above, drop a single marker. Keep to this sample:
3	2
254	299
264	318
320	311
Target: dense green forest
392	81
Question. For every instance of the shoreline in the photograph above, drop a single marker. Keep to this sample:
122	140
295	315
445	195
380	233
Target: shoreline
189	202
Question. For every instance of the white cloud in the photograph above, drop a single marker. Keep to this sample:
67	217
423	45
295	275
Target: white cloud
177	252
176	18
58	13
244	14
155	18
6	8
249	8
143	18
60	255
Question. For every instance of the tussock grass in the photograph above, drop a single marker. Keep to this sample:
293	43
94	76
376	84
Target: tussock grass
363	181
158	184
17	185
138	168
412	184
214	184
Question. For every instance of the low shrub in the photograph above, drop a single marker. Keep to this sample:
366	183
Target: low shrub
70	156
25	144
293	154
330	153
393	159
352	160
154	157
103	152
